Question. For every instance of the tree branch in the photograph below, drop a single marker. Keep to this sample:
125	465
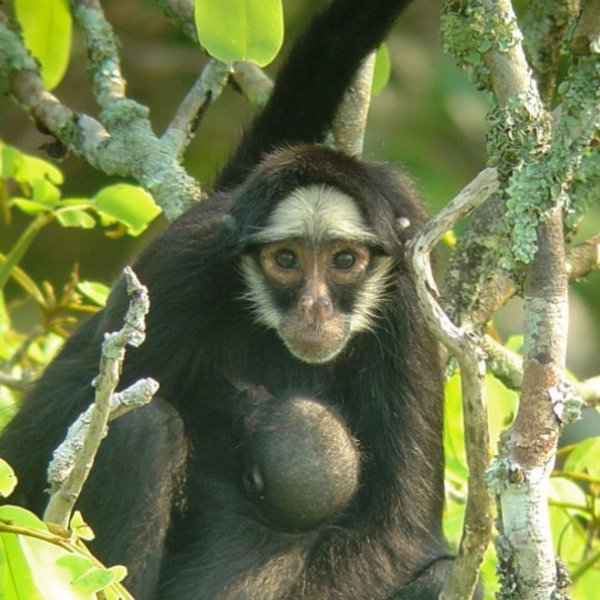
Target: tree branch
206	89
584	258
349	124
465	347
102	54
538	172
73	459
252	80
121	142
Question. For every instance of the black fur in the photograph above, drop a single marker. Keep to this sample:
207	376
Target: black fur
166	496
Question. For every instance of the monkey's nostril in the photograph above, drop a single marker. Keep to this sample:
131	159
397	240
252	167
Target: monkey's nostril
323	308
307	302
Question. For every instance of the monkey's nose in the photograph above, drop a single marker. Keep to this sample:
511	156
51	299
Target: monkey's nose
323	308
319	308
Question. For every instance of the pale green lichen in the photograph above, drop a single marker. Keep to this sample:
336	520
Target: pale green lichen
548	26
470	29
537	166
497	476
13	56
518	135
547	175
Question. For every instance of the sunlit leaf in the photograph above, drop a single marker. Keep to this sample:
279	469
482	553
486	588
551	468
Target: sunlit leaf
16	576
119	571
587	586
502	406
51	579
8	479
75	218
46	28
45	348
240	29
381	72
44	192
80	528
45	196
29	207
94	291
22	517
128	204
585	457
25	168
85	577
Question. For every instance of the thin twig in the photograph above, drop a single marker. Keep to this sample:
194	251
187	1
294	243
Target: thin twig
205	90
73	459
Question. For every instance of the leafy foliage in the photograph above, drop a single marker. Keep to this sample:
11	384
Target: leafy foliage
37	563
32	186
574	495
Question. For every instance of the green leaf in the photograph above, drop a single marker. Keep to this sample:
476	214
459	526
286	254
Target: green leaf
8	479
29	207
45	193
51	580
16	576
32	568
45	196
119	571
563	490
80	528
21	517
128	204
587	587
25	168
381	72
94	291
585	457
240	29
47	33
75	217
46	347
86	578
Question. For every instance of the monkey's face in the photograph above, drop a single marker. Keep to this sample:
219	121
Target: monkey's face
314	289
314	274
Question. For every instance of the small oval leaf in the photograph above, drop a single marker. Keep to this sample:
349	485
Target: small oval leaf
381	72
8	479
75	217
240	29
47	34
97	293
128	204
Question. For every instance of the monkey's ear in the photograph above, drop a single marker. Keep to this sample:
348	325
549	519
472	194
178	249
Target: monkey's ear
230	235
402	224
229	224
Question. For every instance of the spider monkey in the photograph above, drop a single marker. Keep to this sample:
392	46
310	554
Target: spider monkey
295	451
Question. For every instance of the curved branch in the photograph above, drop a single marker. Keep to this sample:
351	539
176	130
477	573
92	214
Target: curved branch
465	347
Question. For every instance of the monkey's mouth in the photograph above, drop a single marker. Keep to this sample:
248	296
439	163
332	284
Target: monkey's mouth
315	344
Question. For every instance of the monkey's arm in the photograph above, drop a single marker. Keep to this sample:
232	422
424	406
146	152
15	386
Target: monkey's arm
313	80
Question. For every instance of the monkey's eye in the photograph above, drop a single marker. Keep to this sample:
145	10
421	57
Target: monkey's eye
286	259
343	260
